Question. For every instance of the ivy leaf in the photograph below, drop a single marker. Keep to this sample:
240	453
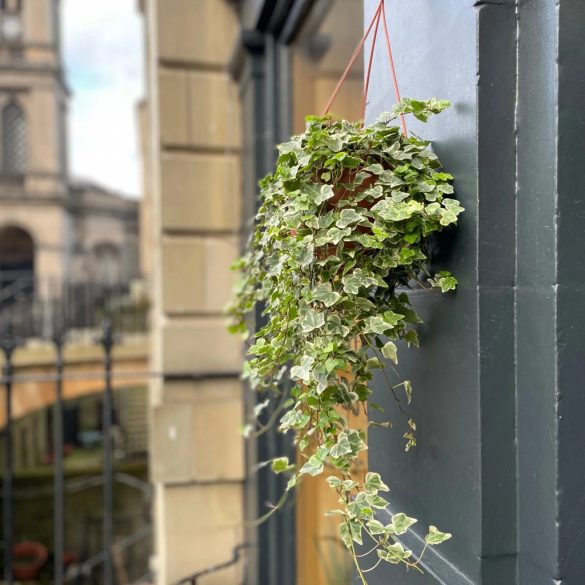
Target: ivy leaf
374	363
342	447
389	351
281	464
376	527
325	193
333	481
315	464
408	390
401	523
303	371
373	483
411	337
377	502
325	294
335	143
312	320
376	169
326	220
347	217
353	282
444	280
451	211
335	325
435	536
306	256
394	553
377	324
335	235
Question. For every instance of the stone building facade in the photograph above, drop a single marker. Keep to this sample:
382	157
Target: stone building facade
224	86
191	212
50	227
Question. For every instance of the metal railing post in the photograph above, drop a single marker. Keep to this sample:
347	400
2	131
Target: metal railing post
58	470
107	342
8	344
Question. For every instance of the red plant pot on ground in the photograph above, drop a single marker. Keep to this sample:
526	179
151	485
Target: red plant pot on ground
29	558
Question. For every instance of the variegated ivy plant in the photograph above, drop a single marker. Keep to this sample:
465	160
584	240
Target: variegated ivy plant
340	237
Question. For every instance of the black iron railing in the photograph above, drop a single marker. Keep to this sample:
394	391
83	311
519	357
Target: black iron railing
40	307
195	577
86	312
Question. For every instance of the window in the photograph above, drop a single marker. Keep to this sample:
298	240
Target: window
12	5
14	151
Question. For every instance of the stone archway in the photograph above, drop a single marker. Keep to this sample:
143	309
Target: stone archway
17	257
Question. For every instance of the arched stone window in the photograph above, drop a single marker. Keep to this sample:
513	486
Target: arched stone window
17	256
14	139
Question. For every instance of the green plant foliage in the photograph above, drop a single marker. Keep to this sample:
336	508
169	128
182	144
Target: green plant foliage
341	236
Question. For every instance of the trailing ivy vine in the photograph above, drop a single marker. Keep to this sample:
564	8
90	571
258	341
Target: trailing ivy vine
341	235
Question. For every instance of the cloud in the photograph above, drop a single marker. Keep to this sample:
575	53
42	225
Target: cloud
103	53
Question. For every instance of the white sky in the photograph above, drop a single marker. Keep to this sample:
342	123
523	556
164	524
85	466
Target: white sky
103	53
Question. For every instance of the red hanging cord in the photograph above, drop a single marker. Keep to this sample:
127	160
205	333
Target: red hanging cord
352	60
370	61
392	69
380	13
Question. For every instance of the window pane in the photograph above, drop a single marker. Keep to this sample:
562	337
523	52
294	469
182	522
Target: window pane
13	139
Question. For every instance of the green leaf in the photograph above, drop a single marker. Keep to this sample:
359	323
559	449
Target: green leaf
347	217
444	280
401	523
394	553
325	294
353	282
312	320
281	464
374	363
377	502
325	193
411	337
435	536
303	371
376	325
335	235
389	351
408	390
376	527
315	464
306	255
342	447
373	483
333	481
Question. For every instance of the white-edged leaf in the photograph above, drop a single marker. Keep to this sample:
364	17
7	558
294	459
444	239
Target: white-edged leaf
325	193
389	351
435	536
312	320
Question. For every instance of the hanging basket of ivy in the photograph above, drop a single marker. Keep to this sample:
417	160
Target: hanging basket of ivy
341	236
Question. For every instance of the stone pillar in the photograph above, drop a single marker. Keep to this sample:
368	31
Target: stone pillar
194	141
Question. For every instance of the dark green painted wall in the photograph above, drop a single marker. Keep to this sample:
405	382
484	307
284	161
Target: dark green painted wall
498	382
